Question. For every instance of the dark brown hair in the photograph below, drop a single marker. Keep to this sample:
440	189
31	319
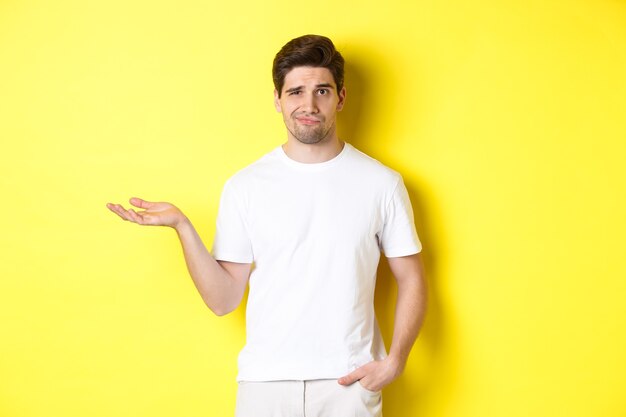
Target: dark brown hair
307	51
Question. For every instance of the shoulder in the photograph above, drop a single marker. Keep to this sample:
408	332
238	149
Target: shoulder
244	177
372	169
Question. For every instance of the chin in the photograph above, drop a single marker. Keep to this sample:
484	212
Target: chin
312	141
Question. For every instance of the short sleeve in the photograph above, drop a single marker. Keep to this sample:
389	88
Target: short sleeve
399	236
232	241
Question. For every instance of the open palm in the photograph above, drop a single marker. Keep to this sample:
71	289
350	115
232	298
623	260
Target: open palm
153	213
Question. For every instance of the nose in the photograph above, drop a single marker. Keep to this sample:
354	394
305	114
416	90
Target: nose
310	103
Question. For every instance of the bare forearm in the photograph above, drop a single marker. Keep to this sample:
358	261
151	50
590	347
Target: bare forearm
409	317
221	284
410	305
410	311
219	290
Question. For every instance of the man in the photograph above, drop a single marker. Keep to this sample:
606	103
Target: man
313	215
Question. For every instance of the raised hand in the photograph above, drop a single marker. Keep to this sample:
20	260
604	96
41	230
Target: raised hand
154	213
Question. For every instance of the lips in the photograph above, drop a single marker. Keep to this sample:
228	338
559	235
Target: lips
307	120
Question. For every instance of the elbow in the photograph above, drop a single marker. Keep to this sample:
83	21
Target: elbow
224	304
220	310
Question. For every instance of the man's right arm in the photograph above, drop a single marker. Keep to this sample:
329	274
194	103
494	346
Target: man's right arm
221	284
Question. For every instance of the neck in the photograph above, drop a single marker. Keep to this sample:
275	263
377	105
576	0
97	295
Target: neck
313	153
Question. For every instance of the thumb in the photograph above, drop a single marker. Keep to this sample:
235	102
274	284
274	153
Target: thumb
138	202
351	377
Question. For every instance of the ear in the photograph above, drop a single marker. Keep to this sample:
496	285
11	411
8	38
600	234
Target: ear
277	102
342	99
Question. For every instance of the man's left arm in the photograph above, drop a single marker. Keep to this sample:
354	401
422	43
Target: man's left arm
409	316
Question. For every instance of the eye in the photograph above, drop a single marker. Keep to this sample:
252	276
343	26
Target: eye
294	93
322	91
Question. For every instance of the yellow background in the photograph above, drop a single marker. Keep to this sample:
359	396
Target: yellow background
506	119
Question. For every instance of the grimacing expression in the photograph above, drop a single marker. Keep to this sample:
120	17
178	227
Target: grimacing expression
309	103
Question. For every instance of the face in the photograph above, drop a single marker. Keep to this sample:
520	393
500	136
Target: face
309	103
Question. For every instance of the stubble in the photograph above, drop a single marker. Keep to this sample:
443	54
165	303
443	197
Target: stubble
307	134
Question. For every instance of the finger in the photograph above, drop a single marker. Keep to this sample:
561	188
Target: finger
146	217
117	209
352	377
124	214
112	207
135	217
138	202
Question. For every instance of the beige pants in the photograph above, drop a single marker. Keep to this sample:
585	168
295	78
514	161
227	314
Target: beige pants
314	398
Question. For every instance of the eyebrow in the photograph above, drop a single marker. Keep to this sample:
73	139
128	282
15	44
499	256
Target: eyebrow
300	87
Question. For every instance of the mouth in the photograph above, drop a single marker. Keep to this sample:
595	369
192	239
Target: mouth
307	120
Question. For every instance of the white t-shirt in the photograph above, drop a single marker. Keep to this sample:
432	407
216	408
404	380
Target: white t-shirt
314	233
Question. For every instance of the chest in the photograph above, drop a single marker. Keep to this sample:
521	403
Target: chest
331	212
